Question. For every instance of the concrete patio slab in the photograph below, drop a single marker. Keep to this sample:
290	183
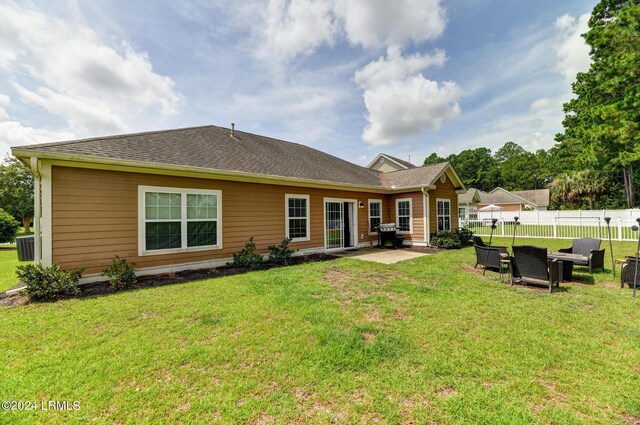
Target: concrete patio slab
384	256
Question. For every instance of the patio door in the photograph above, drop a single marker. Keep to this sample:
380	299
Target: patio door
334	225
340	224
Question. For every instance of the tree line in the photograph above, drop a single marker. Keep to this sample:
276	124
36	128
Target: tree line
593	163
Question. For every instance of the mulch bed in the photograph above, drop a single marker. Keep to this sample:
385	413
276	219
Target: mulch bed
100	288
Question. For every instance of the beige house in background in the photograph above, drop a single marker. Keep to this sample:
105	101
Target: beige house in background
189	198
520	200
387	163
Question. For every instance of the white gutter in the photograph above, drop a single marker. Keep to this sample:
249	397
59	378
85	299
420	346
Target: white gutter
37	210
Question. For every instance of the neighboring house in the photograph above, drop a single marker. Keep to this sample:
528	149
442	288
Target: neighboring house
387	163
189	198
510	201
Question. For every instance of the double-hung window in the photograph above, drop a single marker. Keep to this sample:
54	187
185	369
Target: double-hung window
443	214
297	217
403	215
178	220
375	214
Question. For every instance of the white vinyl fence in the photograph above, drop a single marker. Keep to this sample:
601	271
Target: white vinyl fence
556	227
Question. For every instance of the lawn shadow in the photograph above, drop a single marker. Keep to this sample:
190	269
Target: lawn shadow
583	279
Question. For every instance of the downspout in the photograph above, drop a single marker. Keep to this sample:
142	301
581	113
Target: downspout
37	211
426	215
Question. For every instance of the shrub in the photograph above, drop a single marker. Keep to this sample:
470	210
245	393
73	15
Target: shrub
247	257
464	235
48	283
281	254
121	273
445	240
8	227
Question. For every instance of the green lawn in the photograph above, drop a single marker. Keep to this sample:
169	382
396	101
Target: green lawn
8	264
427	340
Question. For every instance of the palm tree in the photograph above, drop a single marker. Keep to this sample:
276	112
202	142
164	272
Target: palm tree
564	190
589	183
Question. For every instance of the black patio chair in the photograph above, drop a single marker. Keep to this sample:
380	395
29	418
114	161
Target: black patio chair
529	264
629	271
477	240
589	249
490	259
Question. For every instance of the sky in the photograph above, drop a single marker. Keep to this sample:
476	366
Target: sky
352	78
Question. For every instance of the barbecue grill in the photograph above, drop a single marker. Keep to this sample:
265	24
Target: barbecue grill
387	235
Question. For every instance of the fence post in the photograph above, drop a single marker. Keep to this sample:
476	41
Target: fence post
555	228
502	228
619	229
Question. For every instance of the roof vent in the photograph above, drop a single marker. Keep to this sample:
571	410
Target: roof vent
233	128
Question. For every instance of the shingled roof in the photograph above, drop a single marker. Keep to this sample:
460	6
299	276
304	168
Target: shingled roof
215	148
536	198
406	178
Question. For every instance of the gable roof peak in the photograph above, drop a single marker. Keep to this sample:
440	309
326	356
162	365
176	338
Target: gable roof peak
401	162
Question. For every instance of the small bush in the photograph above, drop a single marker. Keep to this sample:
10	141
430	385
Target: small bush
121	273
281	254
464	235
247	257
445	240
8	227
48	283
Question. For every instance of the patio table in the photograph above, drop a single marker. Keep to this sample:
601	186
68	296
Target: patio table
567	263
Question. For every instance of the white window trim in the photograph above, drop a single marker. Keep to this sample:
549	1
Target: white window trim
410	232
373	201
183	199
286	216
438	215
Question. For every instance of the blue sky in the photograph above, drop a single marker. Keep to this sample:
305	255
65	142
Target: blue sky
349	77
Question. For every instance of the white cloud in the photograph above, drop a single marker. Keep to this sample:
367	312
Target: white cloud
571	50
297	27
64	67
396	67
294	27
400	101
13	133
405	108
382	23
392	85
5	101
542	104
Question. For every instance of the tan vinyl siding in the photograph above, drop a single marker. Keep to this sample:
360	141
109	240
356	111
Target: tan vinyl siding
95	216
444	190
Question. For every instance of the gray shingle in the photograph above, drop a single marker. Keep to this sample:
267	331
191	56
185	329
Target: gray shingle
414	176
539	197
213	148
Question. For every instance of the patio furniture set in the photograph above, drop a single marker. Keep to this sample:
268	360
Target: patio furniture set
534	265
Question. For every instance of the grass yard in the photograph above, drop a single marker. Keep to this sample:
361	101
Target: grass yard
8	264
427	340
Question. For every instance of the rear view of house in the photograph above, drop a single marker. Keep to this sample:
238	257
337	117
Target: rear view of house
189	198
